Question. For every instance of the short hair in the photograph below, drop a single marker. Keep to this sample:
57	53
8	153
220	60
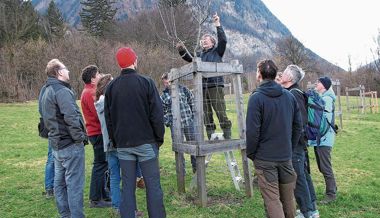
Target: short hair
165	76
212	38
52	68
267	69
88	73
102	85
296	73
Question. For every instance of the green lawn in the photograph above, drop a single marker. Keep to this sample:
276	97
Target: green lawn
23	154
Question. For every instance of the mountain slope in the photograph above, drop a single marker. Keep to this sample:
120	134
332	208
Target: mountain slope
250	27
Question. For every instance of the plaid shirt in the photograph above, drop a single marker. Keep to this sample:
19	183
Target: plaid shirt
186	105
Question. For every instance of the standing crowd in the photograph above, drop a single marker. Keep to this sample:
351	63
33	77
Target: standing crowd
125	119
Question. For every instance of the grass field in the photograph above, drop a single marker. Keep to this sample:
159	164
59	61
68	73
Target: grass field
356	163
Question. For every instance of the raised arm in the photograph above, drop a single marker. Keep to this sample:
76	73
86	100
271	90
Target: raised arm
183	52
222	39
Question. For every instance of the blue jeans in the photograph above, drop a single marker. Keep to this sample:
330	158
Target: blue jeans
114	169
302	191
69	180
189	133
99	168
146	155
49	170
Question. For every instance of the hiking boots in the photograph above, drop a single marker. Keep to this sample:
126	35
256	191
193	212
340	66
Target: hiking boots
328	199
140	183
100	204
49	194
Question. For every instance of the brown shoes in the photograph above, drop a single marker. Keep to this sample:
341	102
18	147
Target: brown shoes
140	183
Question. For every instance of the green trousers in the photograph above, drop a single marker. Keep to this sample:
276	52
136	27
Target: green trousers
213	98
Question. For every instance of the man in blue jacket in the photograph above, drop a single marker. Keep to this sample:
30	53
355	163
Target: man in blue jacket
323	150
274	127
67	137
213	95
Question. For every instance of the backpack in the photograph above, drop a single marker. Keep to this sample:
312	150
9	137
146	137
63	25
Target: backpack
317	123
42	130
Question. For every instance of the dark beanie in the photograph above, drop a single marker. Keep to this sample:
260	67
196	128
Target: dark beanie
326	82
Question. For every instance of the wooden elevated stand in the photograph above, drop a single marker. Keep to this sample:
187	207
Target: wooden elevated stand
200	148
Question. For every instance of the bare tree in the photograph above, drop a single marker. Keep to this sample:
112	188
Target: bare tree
291	51
376	53
200	11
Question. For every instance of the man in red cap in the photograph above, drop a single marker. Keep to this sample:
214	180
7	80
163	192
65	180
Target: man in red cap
134	117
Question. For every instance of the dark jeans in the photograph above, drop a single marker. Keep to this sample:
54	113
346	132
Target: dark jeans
302	190
146	155
69	180
323	157
188	131
276	182
99	167
213	98
313	196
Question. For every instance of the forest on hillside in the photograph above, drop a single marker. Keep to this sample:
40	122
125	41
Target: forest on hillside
28	40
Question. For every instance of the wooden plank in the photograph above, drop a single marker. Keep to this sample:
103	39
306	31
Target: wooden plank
201	181
340	114
214	74
183	71
353	89
247	174
185	148
239	101
198	113
221	146
219	67
177	135
347	100
179	158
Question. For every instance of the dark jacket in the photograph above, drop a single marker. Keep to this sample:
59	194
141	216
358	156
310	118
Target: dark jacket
302	106
214	54
61	114
273	123
133	111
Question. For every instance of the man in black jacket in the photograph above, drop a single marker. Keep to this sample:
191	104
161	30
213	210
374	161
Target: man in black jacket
273	128
213	95
304	191
134	117
67	137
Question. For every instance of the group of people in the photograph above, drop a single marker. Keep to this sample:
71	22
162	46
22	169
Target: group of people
277	142
125	119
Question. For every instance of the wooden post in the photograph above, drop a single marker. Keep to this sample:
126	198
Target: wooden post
199	138
362	100
242	130
177	134
376	102
338	90
347	100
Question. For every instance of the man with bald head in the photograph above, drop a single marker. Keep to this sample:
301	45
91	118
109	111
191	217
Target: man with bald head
67	137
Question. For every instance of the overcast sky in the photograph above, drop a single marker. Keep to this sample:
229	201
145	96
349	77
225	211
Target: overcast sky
333	29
